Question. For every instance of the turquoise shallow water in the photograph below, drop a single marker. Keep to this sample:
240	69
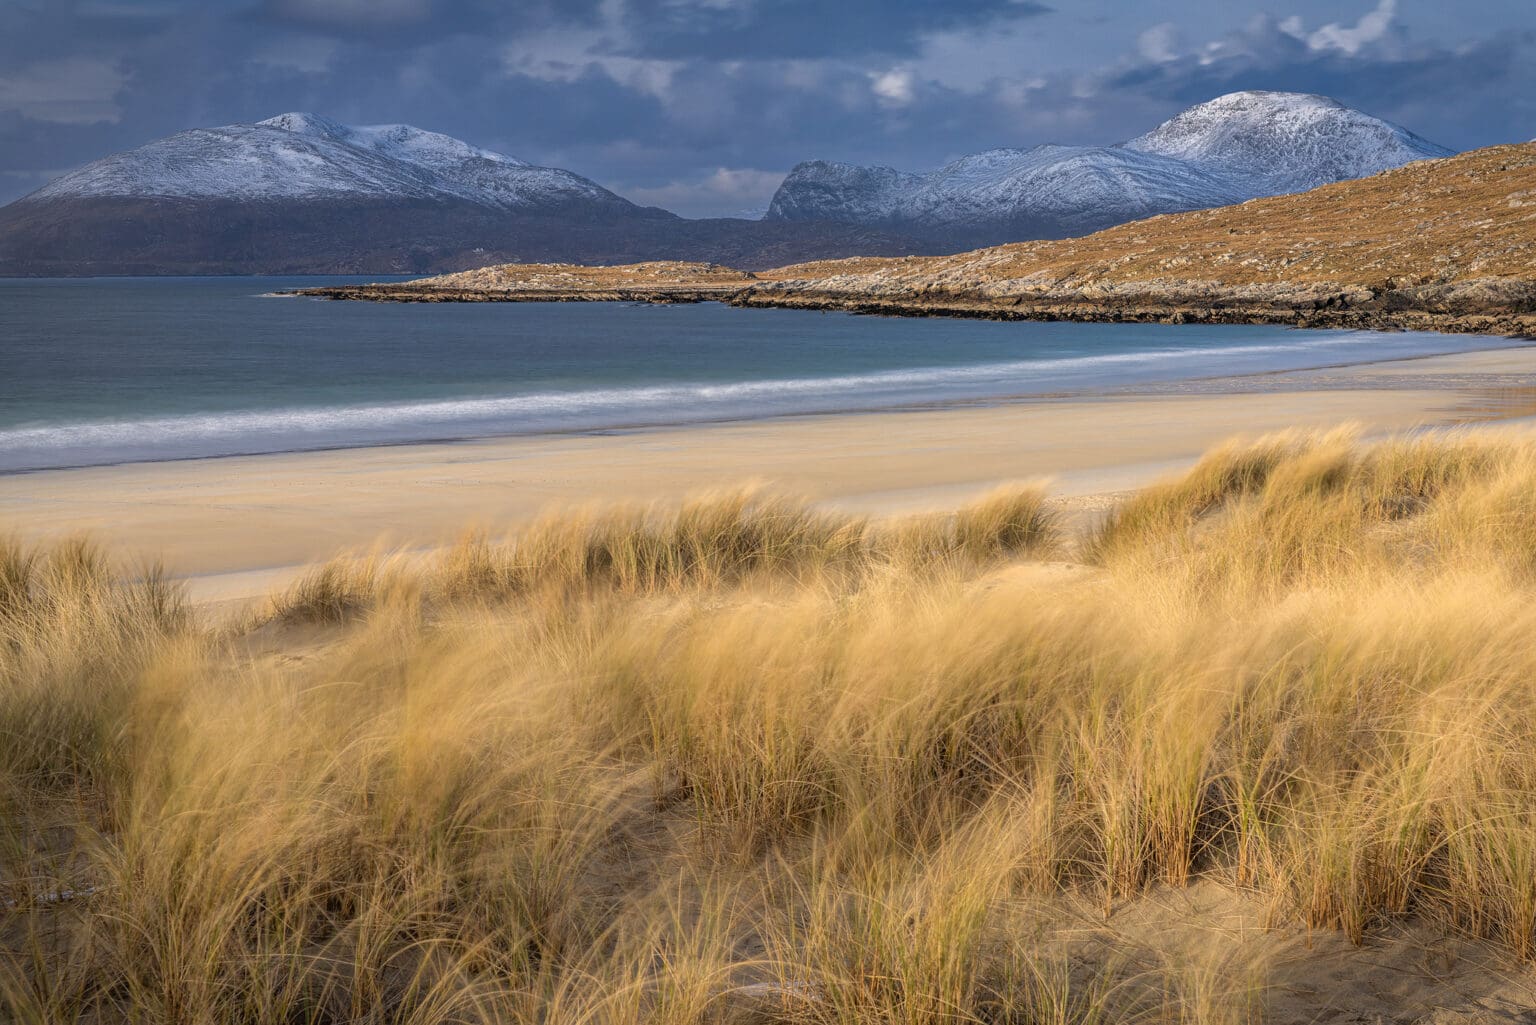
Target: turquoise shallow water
111	370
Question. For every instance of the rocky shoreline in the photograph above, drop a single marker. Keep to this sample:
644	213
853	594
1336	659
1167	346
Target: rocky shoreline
407	293
1440	245
1331	312
1388	311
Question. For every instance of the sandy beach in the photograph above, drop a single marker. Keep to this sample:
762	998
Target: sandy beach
236	526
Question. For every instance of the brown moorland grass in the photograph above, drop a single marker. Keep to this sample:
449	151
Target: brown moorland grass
564	277
1442	221
748	760
1447	244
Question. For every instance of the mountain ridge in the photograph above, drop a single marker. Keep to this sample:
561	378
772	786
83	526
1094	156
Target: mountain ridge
302	156
303	193
1229	149
1260	133
1437	245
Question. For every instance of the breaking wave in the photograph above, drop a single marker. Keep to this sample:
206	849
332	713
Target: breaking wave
252	431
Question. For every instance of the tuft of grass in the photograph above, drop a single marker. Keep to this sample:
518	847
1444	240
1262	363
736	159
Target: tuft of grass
710	540
1012	521
721	539
75	630
331	593
745	759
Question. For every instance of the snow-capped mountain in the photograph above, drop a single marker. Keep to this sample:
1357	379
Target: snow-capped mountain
308	157
1287	142
303	194
1051	188
1230	149
403	142
834	191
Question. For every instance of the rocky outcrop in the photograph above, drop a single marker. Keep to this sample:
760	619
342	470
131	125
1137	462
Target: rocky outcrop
1494	306
1447	245
667	281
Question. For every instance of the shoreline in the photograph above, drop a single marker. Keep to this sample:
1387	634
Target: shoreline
777	399
1436	245
1333	311
1251	382
1391	310
232	526
407	293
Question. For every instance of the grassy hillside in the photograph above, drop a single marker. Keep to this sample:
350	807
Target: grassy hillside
746	760
1463	218
1436	245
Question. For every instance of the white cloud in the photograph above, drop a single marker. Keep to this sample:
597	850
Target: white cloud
973	59
896	87
1016	93
726	192
650	77
1159	44
566	55
1371	28
75	91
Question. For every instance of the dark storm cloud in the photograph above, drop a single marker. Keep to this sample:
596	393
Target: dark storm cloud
756	29
702	104
421	20
32	31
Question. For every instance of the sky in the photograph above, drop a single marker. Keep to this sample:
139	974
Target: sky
702	106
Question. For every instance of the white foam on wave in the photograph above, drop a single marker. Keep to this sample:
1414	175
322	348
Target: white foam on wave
40	445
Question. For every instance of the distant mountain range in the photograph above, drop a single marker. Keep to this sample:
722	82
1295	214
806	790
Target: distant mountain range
300	193
1438	245
1230	149
306	157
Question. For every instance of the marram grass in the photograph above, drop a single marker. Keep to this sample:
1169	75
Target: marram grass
745	759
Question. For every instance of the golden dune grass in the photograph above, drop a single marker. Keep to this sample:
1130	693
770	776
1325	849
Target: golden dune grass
748	760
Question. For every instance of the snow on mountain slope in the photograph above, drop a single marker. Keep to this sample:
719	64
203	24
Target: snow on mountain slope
1230	149
1071	186
1288	141
827	190
308	157
1048	189
400	142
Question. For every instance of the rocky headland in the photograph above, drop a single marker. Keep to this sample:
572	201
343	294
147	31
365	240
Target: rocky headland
1443	245
661	281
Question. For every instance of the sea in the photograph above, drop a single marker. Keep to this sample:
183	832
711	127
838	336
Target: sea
112	370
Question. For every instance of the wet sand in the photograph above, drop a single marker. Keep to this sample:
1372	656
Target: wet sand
237	526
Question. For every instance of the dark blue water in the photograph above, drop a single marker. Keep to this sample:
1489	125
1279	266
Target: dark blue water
111	370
